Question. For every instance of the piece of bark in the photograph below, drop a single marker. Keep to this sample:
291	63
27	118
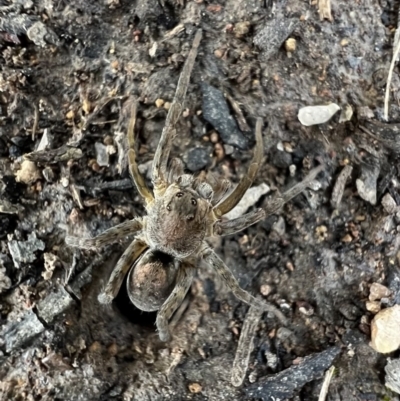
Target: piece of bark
283	385
245	346
61	154
272	36
339	186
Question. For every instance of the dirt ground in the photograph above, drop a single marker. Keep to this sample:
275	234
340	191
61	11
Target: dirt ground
67	70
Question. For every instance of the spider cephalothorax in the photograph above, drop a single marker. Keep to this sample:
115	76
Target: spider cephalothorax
177	222
182	211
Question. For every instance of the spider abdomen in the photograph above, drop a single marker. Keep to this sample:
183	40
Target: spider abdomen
151	280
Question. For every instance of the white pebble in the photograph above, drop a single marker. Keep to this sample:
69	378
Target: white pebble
314	115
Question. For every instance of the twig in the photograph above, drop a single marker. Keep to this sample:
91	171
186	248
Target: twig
35	122
98	109
325	384
240	118
389	79
173	32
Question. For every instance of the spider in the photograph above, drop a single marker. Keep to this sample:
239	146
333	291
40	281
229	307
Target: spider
182	211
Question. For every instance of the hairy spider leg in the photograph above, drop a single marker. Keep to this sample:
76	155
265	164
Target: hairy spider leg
275	204
229	279
184	280
159	171
126	262
236	195
137	178
109	236
229	227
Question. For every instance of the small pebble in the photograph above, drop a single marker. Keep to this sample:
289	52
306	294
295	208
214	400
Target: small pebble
385	332
281	159
95	347
265	290
70	115
373	306
64	182
346	114
214	137
389	204
160	103
290	266
113	349
367	183
28	173
290	45
108	140
219	53
279	226
378	291
305	308
102	156
321	233
287	147
111	149
228	149
241	29
347	238
195	388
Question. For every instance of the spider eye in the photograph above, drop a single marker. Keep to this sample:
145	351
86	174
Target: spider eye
179	195
168	208
194	202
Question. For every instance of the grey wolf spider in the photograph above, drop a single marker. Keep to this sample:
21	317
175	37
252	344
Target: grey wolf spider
182	211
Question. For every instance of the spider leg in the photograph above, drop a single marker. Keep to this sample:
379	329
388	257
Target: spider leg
159	172
275	204
229	227
109	236
126	261
183	282
223	271
133	167
233	198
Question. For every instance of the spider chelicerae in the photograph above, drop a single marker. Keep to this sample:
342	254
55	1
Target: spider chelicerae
182	212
